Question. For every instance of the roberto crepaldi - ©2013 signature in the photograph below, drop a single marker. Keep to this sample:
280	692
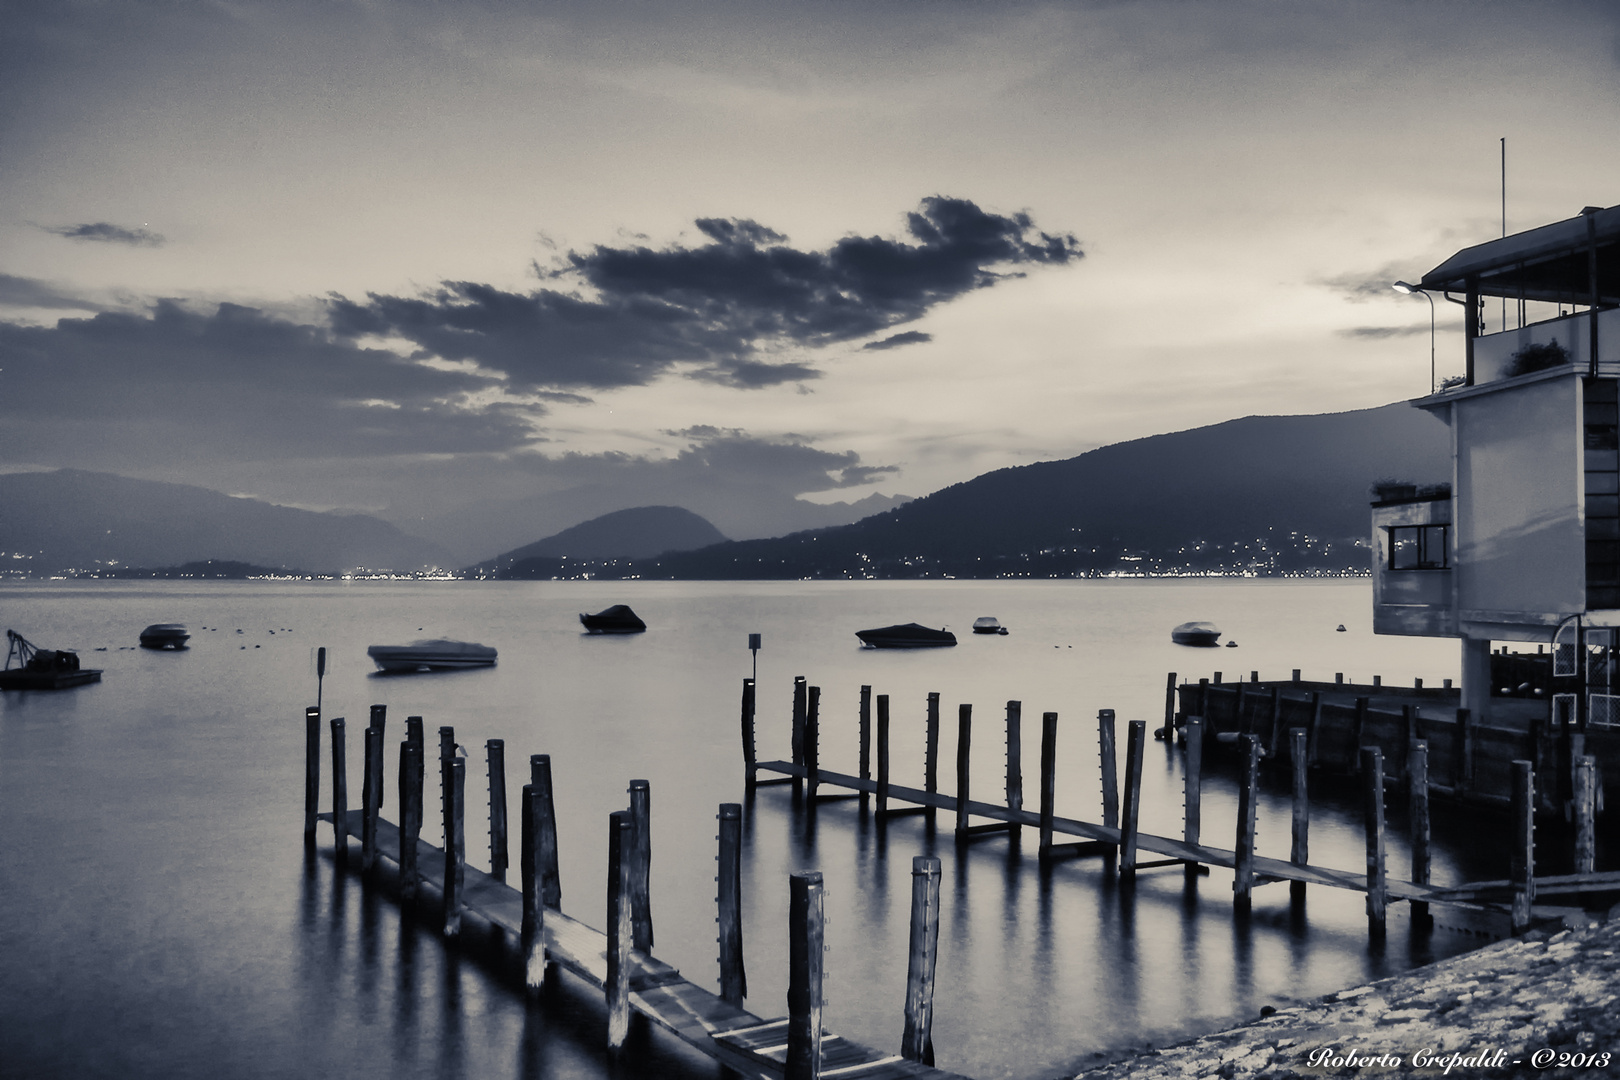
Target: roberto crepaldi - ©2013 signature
1331	1057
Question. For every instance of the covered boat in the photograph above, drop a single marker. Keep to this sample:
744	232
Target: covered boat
988	624
905	636
1195	633
618	619
29	667
164	635
435	654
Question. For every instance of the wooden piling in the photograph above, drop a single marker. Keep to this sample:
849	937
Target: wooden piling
916	1042
798	722
1048	780
1409	730
1243	850
882	754
750	760
640	857
1110	773
495	749
1372	772
1358	730
1169	706
1015	761
1312	745
1378	680
312	772
340	793
1585	813
733	977
806	962
931	745
1274	732
1135	742
410	815
455	845
1417	799
1300	850
379	723
964	743
534	911
414	736
1522	845
550	880
1295	678
812	739
866	739
1192	785
616	986
370	789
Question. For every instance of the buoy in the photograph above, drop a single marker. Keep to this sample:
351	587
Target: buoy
1341	628
1231	644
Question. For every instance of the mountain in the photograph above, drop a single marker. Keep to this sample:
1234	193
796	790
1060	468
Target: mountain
1264	493
638	533
75	520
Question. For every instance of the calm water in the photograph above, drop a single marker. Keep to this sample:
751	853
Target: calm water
160	918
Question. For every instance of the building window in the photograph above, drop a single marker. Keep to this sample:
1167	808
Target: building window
1417	547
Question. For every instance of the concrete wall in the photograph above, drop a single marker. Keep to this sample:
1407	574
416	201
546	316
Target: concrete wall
1494	352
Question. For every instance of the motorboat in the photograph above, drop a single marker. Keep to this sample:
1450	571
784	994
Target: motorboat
431	654
1196	633
164	635
905	636
28	667
618	619
988	624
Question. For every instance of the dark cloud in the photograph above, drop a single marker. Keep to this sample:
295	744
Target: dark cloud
22	292
1378	332
107	233
910	337
121	390
719	311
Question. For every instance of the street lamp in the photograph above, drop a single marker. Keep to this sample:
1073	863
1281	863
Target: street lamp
1408	289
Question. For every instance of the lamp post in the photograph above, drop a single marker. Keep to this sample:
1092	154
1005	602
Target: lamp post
1408	289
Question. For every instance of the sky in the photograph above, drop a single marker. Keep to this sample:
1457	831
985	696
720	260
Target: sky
489	269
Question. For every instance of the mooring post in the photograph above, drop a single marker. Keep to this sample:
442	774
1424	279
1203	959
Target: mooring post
1110	776
1135	747
1523	844
733	978
1358	731
550	880
1169	706
799	686
931	749
410	815
1015	762
312	772
1274	733
1585	813
534	911
640	856
812	740
455	846
340	793
917	1043
1048	780
619	929
495	750
1372	775
379	723
1465	752
1300	852
1192	786
447	754
883	754
1312	746
413	735
750	768
1248	798
1417	795
1295	678
964	744
866	740
806	961
370	790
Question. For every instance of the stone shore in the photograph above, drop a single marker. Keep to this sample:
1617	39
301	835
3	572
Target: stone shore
1485	1014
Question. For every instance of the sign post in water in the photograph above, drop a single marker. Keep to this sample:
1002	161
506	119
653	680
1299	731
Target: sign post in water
753	647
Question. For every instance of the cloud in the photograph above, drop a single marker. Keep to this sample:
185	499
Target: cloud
121	390
105	232
910	337
722	311
22	292
1380	332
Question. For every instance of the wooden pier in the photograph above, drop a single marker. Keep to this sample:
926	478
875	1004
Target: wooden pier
617	962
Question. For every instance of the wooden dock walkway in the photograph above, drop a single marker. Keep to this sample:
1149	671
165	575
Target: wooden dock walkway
736	1038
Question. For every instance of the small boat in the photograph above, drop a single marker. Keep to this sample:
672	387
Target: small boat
164	635
1195	633
905	636
435	654
618	619
42	669
987	624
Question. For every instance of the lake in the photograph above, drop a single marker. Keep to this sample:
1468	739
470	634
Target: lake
160	919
